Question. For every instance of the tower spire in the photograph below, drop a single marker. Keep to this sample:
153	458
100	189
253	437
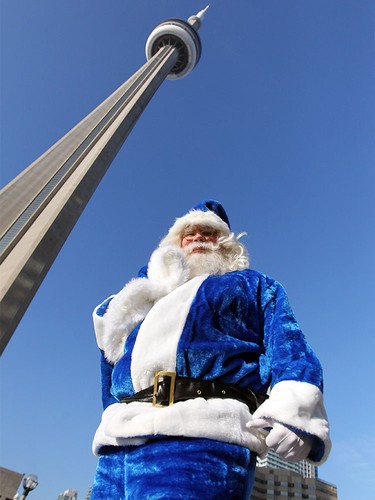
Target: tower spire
196	21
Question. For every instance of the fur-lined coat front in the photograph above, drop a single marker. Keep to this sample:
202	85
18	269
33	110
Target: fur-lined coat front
238	328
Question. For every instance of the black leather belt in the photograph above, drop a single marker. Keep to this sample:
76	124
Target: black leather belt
169	389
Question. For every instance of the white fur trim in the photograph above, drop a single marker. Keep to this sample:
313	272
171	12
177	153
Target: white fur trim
99	324
103	439
157	340
300	405
221	419
125	311
194	218
167	270
168	267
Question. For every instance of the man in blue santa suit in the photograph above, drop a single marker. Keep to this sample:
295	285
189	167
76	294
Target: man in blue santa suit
204	367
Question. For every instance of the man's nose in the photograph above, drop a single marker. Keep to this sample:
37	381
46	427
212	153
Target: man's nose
198	237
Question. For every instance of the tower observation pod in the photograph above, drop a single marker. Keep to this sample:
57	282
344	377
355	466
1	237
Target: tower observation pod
40	207
183	37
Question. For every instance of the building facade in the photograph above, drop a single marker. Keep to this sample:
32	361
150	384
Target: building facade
9	483
278	478
274	461
68	495
280	483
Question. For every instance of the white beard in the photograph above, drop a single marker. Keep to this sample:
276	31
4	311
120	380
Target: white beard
212	261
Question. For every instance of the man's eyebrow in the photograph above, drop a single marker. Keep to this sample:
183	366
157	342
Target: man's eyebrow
199	228
189	229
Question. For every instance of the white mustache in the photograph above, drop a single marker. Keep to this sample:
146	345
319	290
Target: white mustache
209	246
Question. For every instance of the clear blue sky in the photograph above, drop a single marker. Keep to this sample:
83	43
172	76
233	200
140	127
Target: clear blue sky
276	121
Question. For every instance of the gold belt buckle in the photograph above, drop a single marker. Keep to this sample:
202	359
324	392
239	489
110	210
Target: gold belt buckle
172	376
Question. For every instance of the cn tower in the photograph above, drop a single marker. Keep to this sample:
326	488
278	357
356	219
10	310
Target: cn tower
40	207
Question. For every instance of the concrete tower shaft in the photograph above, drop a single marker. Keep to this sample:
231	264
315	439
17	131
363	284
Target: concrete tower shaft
41	206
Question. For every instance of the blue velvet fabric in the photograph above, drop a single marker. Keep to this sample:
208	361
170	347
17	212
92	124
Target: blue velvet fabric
213	206
175	469
240	329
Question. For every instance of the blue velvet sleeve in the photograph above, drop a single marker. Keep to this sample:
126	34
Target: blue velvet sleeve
106	370
142	273
288	355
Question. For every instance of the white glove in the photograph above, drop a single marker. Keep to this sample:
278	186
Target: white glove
289	445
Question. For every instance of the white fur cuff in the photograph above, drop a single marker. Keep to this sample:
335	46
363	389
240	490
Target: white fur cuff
300	405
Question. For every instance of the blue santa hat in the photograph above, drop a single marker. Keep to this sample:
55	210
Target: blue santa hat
207	213
214	206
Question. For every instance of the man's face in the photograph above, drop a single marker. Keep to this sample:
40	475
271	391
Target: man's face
203	252
196	234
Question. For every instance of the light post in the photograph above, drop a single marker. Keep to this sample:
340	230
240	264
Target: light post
29	483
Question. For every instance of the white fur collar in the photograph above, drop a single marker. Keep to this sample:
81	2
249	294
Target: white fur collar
167	270
155	348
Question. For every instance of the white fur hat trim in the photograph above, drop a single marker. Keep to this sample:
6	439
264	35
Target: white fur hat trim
194	218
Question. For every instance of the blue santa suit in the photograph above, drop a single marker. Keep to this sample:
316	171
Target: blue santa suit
238	328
